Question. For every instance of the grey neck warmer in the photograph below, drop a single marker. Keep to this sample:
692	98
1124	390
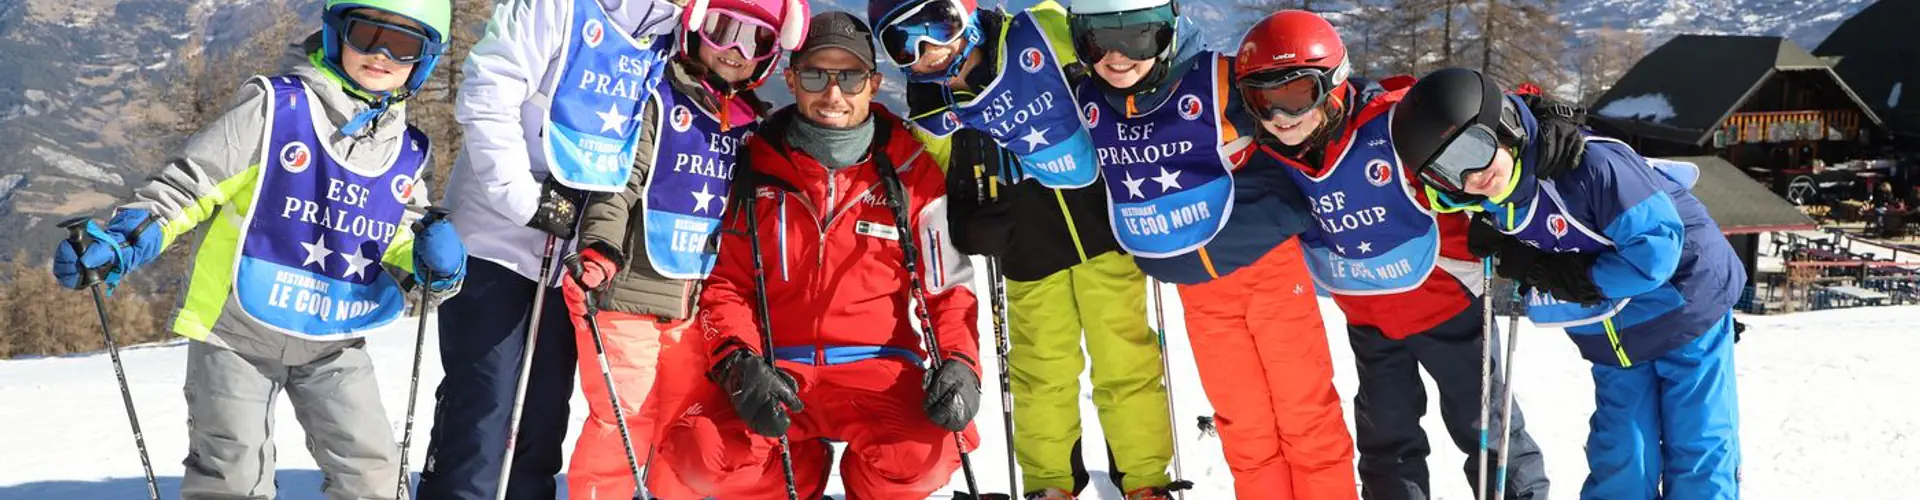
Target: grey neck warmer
833	148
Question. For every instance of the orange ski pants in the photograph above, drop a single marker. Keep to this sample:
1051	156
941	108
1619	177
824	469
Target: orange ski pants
639	347
1261	350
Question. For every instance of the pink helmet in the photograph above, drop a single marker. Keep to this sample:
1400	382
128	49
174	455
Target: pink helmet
788	17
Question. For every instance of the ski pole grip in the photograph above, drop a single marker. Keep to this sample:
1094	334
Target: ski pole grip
77	236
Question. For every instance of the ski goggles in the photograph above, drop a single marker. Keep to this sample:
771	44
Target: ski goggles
1140	35
724	30
938	22
402	44
851	81
1288	93
1468	151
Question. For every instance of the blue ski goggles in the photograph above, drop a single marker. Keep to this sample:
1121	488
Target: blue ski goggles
938	22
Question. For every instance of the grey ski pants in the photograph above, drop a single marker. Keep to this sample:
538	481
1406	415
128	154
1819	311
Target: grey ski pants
230	406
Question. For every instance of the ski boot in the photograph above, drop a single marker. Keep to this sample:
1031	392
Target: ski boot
1150	493
1050	494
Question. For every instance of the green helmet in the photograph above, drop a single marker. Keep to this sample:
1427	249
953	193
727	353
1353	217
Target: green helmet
434	15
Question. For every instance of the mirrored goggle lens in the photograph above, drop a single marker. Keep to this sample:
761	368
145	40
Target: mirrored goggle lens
1469	152
1138	42
1291	95
398	42
938	23
728	30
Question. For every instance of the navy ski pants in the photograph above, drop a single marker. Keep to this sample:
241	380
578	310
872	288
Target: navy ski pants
1667	425
1391	399
483	332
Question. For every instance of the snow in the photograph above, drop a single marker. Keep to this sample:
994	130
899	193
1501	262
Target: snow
75	166
1893	96
1823	414
1644	107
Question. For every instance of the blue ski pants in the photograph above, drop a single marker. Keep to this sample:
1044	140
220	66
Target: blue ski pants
483	333
1667	428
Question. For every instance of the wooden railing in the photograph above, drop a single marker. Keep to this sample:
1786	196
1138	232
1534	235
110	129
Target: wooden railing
1787	126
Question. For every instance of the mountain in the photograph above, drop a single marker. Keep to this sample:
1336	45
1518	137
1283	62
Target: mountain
85	71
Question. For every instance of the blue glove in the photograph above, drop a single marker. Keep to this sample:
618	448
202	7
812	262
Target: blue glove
439	259
130	240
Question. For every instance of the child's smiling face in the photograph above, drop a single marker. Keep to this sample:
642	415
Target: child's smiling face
376	72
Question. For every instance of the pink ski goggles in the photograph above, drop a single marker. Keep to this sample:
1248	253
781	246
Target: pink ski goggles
725	29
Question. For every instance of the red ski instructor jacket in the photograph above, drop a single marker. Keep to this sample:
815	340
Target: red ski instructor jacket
837	283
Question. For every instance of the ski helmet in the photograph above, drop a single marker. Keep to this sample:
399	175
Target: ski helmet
1451	124
1139	29
1289	63
434	16
788	19
901	26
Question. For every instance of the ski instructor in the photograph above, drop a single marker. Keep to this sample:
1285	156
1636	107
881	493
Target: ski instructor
837	232
547	108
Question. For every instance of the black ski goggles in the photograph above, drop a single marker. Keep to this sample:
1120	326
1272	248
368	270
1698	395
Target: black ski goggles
938	22
851	81
402	44
1288	93
1140	35
1470	150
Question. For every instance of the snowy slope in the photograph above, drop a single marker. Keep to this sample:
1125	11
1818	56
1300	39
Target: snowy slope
1826	398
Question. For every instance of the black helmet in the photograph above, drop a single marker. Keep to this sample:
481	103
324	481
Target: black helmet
1446	105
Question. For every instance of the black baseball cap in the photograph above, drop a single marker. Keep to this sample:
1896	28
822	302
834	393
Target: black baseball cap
839	30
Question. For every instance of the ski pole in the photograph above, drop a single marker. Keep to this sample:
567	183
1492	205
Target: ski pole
1506	401
765	314
997	288
1486	370
592	314
1180	484
526	357
77	237
434	214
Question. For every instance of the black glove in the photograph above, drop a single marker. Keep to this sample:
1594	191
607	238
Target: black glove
1566	276
1557	135
758	392
558	212
1513	259
953	395
1485	239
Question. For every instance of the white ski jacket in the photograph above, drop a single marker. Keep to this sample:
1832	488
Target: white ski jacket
495	185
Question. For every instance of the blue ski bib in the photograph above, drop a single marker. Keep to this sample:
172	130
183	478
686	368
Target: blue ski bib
1169	189
1548	227
687	189
1028	110
311	245
591	128
1374	238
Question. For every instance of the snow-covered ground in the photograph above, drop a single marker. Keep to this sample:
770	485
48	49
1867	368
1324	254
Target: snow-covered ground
1827	412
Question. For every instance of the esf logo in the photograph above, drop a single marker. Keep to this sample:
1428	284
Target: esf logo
296	157
1093	115
402	188
1379	173
1190	107
1557	225
951	120
682	118
593	32
1030	60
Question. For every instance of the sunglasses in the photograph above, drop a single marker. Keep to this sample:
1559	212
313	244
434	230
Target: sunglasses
939	22
726	30
851	81
1137	34
1468	151
1288	93
400	43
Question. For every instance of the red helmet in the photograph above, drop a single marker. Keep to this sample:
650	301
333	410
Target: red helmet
1289	63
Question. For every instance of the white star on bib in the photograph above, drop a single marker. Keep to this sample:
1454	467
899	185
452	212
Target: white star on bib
317	252
1168	180
356	265
611	119
1133	186
702	199
1035	138
1366	246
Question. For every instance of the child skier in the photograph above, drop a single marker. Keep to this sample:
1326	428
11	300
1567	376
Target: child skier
644	249
1619	252
837	232
1402	274
1065	272
312	182
547	108
1192	209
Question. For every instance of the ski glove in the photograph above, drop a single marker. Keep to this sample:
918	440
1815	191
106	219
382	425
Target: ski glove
1557	134
1566	276
559	210
131	239
1514	259
439	258
594	269
953	395
758	392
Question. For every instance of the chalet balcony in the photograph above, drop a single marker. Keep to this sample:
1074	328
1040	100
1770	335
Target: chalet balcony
1788	126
